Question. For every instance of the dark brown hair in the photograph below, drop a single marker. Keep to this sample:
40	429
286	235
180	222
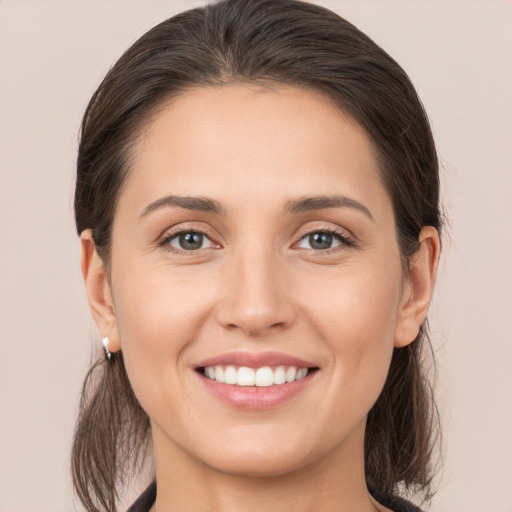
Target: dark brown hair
267	42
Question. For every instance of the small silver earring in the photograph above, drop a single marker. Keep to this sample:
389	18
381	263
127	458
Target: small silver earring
105	341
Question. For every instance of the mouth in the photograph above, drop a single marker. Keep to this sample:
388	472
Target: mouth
256	381
262	377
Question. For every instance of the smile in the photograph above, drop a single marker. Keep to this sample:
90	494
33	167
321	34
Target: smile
256	381
265	376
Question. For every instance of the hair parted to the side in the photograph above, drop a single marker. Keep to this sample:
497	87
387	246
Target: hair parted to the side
269	42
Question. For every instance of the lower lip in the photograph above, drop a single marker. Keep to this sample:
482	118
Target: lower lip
253	397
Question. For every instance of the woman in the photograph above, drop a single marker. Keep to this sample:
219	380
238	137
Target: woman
258	205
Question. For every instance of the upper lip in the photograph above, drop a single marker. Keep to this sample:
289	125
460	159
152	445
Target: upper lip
256	360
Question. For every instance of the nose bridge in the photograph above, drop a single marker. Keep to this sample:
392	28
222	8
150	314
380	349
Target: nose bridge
256	298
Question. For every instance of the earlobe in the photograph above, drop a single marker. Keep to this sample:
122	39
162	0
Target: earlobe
419	287
98	291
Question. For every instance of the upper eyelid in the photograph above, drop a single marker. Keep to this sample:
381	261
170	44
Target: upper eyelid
172	232
300	233
333	232
341	232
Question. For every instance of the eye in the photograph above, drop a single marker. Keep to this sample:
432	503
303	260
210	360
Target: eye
188	241
323	239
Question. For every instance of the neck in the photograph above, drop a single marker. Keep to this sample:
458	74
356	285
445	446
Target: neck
334	483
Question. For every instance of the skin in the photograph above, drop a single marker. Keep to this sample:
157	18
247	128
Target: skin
257	284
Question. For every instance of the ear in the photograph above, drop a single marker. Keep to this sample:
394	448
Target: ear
98	291
418	287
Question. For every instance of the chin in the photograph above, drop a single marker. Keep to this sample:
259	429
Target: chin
261	457
259	466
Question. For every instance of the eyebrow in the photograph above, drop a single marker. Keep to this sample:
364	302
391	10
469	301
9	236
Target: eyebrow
321	202
198	204
304	204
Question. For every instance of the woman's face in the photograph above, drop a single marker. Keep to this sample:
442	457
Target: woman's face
254	232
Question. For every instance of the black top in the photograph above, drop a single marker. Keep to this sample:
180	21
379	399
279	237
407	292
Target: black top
147	499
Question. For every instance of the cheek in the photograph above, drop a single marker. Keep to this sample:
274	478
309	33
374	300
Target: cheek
158	308
357	319
358	307
157	318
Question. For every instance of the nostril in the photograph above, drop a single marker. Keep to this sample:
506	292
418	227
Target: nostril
257	310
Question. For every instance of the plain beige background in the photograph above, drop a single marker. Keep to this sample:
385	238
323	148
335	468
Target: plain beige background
53	55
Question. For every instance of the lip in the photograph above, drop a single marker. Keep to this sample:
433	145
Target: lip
255	398
251	397
256	360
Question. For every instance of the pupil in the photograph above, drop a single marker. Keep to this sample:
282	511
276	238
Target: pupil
320	240
191	241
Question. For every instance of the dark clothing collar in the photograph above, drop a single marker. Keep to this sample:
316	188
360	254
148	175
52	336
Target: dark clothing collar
147	499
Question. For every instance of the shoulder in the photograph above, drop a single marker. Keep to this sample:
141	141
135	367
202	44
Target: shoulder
395	503
398	504
145	501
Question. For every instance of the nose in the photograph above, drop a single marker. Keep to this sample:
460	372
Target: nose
256	298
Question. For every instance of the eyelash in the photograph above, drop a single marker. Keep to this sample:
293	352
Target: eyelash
167	237
345	240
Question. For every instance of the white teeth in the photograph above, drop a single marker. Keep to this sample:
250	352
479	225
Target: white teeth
245	376
264	377
230	376
260	377
291	373
219	374
301	373
279	375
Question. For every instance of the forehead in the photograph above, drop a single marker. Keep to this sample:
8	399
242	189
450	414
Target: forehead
239	141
